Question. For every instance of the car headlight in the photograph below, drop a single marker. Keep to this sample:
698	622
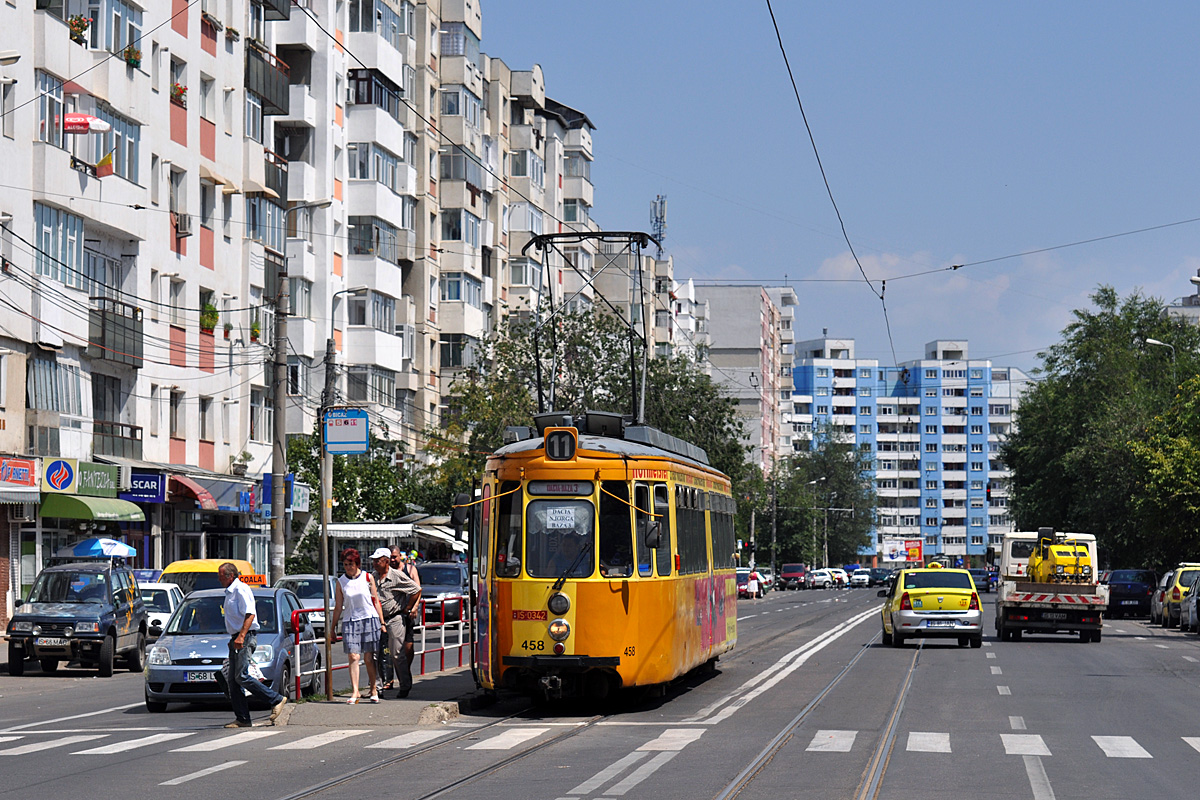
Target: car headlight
263	654
87	627
159	655
22	626
558	604
560	629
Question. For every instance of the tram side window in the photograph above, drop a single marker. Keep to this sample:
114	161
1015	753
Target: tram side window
662	507
560	533
508	531
724	542
642	510
616	536
693	551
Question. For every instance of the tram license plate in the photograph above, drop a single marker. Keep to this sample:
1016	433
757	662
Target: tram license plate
199	677
940	623
51	641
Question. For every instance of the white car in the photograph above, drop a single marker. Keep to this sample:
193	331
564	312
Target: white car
768	578
839	574
822	579
161	600
860	578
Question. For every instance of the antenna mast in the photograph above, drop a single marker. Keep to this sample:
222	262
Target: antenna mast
658	221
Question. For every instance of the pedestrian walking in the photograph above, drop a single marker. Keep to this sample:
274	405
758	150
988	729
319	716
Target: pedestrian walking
753	583
409	567
358	598
398	595
241	623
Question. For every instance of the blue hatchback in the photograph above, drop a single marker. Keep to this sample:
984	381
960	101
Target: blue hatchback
183	666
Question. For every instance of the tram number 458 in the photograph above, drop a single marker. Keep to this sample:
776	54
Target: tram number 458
533	644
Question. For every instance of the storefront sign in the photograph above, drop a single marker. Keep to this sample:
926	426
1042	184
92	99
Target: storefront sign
97	480
146	487
58	475
18	472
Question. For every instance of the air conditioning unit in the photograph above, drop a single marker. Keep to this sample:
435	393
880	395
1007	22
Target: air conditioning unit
124	478
23	512
183	226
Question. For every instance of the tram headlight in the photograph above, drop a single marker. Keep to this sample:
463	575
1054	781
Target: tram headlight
560	629
559	604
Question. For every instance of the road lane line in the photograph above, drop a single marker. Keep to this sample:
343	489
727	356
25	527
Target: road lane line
1139	638
989	655
674	739
65	719
1039	781
608	773
201	773
225	741
1193	741
132	744
640	774
928	742
508	739
319	740
34	747
1017	723
1004	690
997	671
832	742
410	739
1121	747
748	616
987	644
1189	658
9	738
1024	744
1163	646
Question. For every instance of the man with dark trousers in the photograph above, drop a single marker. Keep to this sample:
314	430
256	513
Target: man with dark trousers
241	624
398	595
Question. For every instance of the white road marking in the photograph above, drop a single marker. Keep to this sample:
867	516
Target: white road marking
1139	638
1017	723
201	773
410	739
1163	646
640	774
1004	690
1024	744
1189	658
508	739
1193	741
990	655
832	742
1121	747
64	719
34	747
987	644
225	741
997	671
319	740
608	773
1039	781
9	738
748	616
132	744
673	739
928	742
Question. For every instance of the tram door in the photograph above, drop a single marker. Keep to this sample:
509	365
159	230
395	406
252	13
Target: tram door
484	591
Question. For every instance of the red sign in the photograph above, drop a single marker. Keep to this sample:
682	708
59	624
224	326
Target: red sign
254	580
18	472
530	615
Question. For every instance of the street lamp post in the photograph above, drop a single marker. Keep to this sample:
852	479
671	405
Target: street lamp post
814	521
279	449
1174	382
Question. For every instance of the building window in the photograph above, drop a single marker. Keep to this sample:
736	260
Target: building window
458	350
50	109
528	164
369	161
976	466
60	245
525	272
371	385
254	115
458	286
998	411
265	222
298	370
261	417
206	431
822	391
864	411
931	374
7	103
976	391
576	165
931	411
931	429
370	87
931	466
300	297
177	419
931	522
460	225
575	211
371	235
459	101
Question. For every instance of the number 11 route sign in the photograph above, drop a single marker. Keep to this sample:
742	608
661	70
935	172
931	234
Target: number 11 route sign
346	431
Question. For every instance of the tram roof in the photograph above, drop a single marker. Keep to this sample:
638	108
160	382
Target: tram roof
607	444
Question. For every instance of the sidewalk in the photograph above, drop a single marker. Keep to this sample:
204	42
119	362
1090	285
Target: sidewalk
434	699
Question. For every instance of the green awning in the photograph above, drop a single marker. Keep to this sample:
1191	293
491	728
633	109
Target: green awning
104	509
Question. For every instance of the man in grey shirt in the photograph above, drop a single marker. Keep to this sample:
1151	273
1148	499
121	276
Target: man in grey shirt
398	595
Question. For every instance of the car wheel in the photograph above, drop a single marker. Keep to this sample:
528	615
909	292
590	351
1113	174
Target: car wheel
155	706
317	684
887	638
287	686
1096	635
104	666
1085	636
16	661
977	640
49	665
963	641
1016	634
134	658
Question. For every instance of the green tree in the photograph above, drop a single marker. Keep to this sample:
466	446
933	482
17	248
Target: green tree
1073	466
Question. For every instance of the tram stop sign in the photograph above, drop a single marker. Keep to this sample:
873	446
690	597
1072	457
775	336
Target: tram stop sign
346	431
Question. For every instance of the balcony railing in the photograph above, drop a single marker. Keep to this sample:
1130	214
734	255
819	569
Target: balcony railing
115	332
267	77
116	439
277	173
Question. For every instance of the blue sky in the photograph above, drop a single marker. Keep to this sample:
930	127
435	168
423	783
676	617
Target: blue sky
950	133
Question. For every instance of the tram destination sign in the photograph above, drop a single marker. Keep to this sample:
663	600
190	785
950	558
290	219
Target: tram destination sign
577	488
346	431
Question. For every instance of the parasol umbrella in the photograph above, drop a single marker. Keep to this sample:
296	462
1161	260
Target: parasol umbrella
84	123
98	548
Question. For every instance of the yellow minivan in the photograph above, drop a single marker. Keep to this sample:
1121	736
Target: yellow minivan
190	574
1175	590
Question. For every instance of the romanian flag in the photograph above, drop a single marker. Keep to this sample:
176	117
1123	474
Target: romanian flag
104	166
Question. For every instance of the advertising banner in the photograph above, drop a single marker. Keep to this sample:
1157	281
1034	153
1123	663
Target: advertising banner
899	551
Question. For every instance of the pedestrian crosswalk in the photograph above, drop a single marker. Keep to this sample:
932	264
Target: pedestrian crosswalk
1013	744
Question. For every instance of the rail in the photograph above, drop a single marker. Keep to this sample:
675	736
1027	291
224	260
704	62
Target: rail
456	628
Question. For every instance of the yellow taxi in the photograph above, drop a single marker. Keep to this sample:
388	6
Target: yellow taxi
1175	589
932	602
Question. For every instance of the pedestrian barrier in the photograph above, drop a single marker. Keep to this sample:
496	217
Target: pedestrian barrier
423	632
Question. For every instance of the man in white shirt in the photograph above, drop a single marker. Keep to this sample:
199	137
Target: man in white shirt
242	626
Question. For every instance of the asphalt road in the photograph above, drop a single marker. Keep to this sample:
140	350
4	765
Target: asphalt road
810	705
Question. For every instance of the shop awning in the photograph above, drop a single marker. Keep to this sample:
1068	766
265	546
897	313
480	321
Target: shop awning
104	509
19	495
185	486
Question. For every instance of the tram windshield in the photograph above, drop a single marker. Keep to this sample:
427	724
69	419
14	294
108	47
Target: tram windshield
557	530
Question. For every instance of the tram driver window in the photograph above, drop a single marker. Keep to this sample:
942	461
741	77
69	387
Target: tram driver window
508	530
616	535
559	533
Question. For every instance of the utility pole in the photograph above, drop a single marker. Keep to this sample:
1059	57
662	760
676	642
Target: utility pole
279	452
752	553
774	513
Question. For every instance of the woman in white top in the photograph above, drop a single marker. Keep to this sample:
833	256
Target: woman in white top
356	595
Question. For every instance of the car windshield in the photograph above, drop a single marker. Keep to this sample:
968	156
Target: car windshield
439	576
793	567
189	582
305	588
157	600
1132	576
937	580
556	532
866	573
206	615
70	587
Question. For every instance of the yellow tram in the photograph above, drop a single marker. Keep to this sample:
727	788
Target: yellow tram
605	559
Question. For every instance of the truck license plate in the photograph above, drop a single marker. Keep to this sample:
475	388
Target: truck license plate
51	641
198	677
1054	615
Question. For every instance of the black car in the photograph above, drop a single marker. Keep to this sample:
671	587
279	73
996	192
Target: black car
441	584
880	576
1130	592
985	580
90	611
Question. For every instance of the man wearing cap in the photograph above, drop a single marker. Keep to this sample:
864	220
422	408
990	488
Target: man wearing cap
398	595
409	567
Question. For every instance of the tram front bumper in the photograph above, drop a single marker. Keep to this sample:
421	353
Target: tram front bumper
562	662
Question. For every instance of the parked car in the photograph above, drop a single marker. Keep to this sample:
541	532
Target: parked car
183	665
161	600
1175	590
860	579
822	578
1187	610
307	587
1130	592
985	580
440	581
1157	598
767	578
88	611
791	576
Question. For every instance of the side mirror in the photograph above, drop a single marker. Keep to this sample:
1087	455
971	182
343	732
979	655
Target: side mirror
882	593
653	538
458	515
18	603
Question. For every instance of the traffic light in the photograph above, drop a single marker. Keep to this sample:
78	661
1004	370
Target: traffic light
989	494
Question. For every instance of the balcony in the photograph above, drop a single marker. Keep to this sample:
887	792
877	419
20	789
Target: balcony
115	332
267	77
276	10
276	173
116	439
